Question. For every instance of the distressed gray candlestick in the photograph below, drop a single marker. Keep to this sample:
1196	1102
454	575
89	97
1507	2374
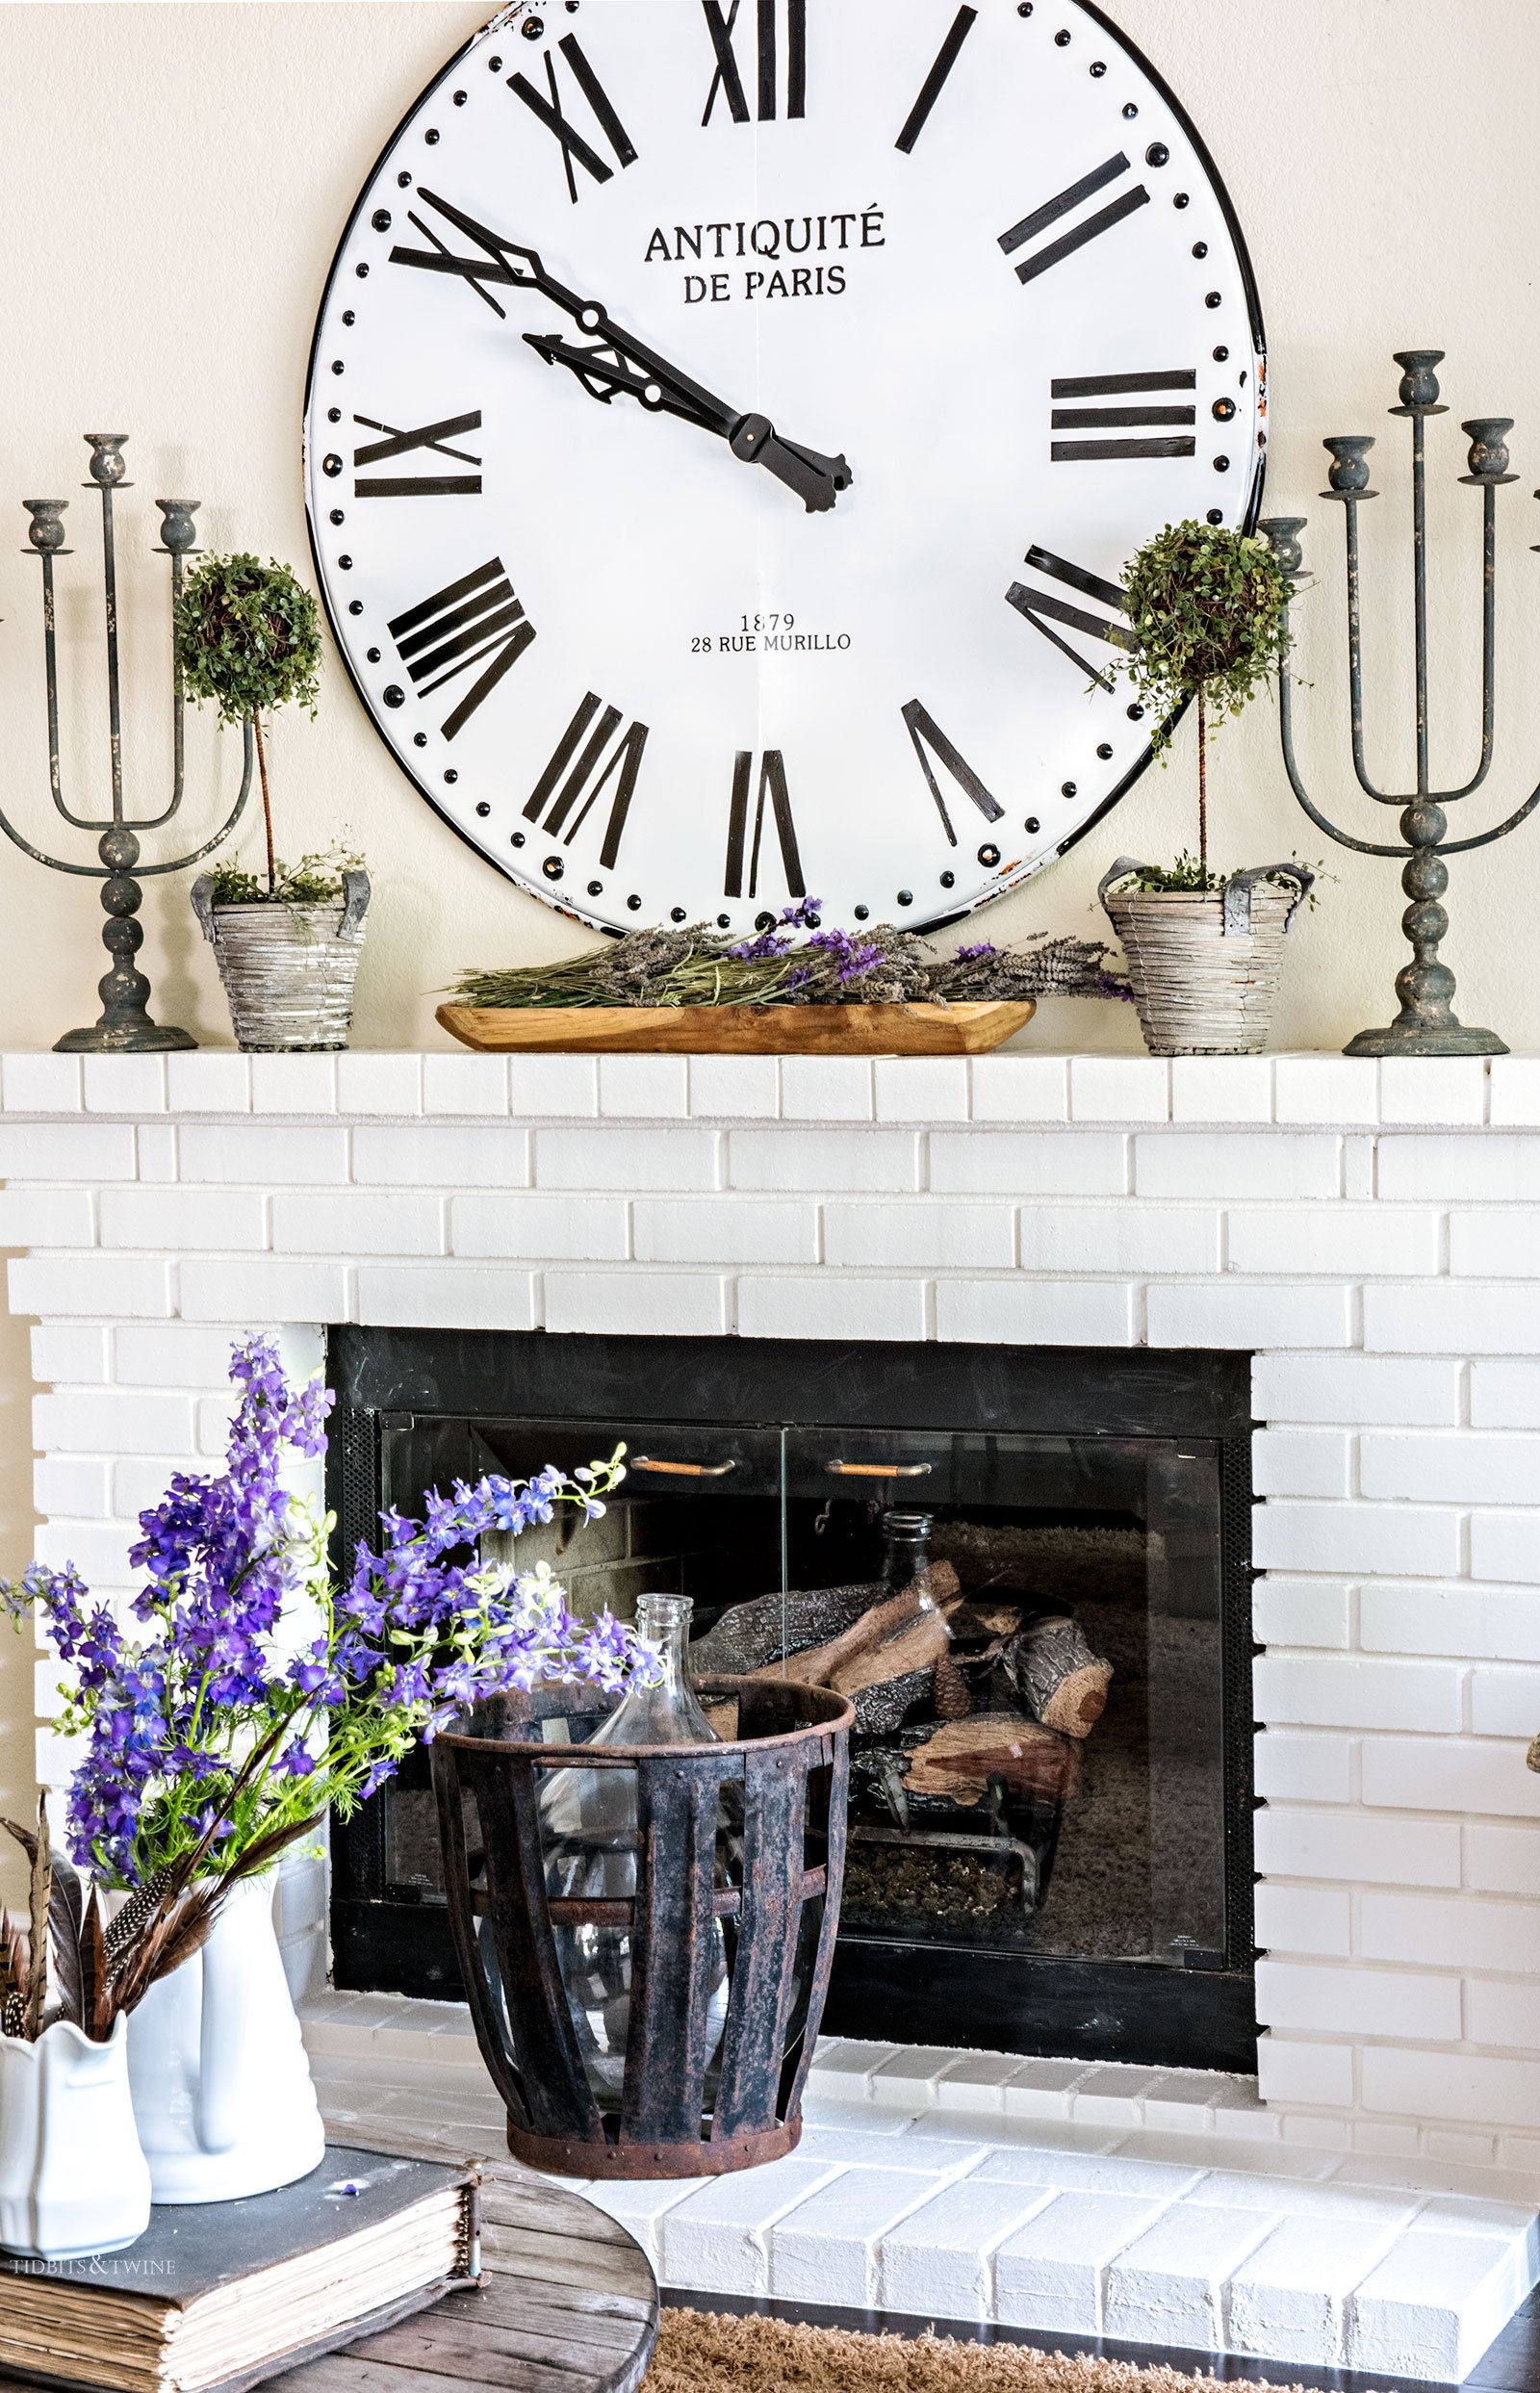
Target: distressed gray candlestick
125	1027
1427	1023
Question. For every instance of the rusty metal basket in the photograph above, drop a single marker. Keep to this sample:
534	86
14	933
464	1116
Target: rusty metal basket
790	1766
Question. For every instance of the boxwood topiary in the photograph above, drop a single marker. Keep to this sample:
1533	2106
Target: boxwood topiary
248	641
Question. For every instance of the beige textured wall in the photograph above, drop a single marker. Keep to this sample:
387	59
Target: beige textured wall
174	178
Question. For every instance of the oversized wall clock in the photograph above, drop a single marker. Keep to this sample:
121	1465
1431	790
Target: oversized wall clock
729	421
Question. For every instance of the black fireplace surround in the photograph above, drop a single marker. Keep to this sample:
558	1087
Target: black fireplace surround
1124	1476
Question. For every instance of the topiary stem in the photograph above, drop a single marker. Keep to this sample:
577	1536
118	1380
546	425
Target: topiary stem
267	802
1202	788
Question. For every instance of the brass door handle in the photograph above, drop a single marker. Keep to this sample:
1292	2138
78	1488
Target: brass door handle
684	1470
881	1470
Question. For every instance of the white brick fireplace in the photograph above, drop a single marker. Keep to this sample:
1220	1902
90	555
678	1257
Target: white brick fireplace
1371	1233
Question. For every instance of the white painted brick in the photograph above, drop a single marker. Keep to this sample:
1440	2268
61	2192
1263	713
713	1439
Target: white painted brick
170	1355
1453	1620
1388	2135
1451	2085
1244	1314
124	1084
113	1421
1344	1692
1126	1237
1464	1469
465	1084
73	1487
1317	1999
1506	1545
1112	2094
1358	1169
922	1237
1123	2169
1221	1088
727	1230
846	2058
1041	2089
830	1307
1029	1163
717	2239
735	1087
653	1088
976	2082
264	1155
156	1147
1356	1241
42	1084
921	1088
1182	2103
1304	2073
1219	1168
1167	2286
1048	2275
1496	1245
1505	1396
1432	1089
46	1217
444	1296
1020	1088
626	1159
66	1151
379	1083
1302	1462
97	1549
69	1351
1292	1768
1499	2011
1450	1774
356	1221
826	2249
98	1286
1355	1388
263	1291
1326	1088
937	2264
1413	1540
1494	1170
1513	1090
1356	1847
1302	1611
1119	1088
640	2207
658	1305
826	1088
1505	1703
871	1162
561	1228
555	1087
437	1155
1458	1931
1304	1920
1288	2301
137	1485
997	1312
172	1220
208	1082
293	1084
1434	2304
1502	1860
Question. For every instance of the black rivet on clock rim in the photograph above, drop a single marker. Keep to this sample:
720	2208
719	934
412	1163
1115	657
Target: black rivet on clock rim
864	912
334	415
1224	411
331	467
431	134
906	897
451	777
1157	155
484	810
337	516
554	869
677	914
724	922
1220	356
355	606
1105	752
948	880
419	739
349	318
1062	40
989	857
1070	790
518	840
460	98
533	28
596	888
1222	465
634	905
362	271
1216	515
1032	824
495	65
1098	68
394	696
1136	714
762	922
1200	248
403	181
382	219
344	564
337	366
1130	107
373	653
1024	8
1214	298
1181	199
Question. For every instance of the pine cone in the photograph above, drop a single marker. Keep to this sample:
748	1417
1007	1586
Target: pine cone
954	1699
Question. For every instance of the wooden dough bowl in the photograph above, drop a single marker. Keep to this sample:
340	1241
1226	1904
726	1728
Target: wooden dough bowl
737	1029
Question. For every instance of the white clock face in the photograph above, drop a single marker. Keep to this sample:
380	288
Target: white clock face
729	421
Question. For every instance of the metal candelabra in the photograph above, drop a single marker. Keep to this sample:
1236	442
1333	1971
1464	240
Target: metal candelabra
125	1026
1427	1023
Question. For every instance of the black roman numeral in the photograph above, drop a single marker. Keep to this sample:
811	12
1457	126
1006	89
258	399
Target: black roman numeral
727	84
431	439
476	620
580	771
771	787
1042	609
577	150
934	83
927	736
1061	204
1105	421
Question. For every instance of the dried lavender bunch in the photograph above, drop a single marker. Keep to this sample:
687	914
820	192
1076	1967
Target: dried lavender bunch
797	962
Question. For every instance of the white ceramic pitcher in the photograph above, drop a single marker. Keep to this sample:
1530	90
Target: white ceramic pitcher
72	2175
222	2086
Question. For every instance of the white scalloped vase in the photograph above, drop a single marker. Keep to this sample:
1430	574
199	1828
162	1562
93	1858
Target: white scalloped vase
221	2085
72	2177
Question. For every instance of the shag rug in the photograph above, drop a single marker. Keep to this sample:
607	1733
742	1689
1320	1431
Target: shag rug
699	2351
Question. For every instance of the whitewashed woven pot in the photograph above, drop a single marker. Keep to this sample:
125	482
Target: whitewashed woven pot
222	2086
288	970
1205	968
72	2175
